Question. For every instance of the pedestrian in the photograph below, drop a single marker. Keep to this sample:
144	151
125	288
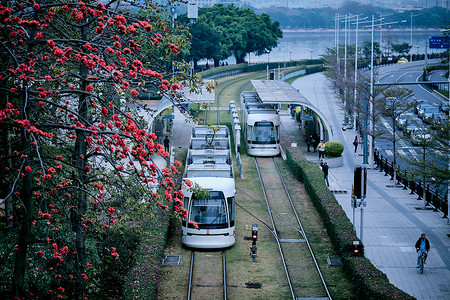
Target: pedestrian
166	144
309	141
355	143
324	166
321	149
422	245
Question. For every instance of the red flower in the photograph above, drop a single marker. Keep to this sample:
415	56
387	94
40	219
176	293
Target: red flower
112	210
89	88
28	168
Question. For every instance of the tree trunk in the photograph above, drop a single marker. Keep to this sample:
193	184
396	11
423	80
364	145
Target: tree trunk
81	179
240	58
216	62
23	218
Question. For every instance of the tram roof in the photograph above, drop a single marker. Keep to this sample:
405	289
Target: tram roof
276	92
279	92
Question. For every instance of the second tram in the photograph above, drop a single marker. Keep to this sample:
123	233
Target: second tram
261	126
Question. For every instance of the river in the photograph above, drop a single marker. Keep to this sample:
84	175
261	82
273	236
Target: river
313	43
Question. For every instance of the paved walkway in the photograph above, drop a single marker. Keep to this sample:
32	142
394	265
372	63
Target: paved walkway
392	223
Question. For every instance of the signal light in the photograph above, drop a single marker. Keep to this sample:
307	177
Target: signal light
254	232
357	248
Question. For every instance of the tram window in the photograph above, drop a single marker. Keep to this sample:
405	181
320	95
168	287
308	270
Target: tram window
263	133
210	213
231	210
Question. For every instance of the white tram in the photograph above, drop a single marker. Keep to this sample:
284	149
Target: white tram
261	126
209	165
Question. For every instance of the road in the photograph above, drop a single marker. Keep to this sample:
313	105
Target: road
408	73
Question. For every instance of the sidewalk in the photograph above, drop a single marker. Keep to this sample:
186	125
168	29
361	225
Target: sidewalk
392	223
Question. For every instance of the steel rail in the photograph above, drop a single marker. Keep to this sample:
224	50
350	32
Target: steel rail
304	233
191	274
224	276
275	231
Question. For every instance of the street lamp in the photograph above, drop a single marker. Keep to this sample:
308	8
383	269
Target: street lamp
410	52
311	54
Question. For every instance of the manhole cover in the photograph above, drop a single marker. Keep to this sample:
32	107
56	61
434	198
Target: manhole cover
253	285
174	260
292	240
334	261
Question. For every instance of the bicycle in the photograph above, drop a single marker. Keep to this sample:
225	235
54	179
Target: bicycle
422	258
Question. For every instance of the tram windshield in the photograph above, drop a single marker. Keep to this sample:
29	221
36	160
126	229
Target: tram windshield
264	133
210	213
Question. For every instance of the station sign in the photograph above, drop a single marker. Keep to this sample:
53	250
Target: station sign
307	118
439	42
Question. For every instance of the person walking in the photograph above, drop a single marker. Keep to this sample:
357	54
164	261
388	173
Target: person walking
422	246
166	144
321	149
355	143
309	141
325	171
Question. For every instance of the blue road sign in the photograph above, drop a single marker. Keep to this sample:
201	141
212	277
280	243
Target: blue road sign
439	42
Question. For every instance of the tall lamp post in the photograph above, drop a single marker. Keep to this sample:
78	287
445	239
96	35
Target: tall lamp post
410	52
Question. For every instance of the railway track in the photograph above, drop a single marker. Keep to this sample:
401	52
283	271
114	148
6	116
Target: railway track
296	253
207	275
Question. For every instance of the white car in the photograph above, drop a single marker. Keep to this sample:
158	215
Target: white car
419	137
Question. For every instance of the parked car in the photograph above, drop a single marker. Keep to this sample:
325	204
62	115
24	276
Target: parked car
403	120
420	104
402	61
444	107
422	110
428	113
438	120
420	137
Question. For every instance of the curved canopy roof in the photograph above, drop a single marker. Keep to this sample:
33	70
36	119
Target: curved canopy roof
279	92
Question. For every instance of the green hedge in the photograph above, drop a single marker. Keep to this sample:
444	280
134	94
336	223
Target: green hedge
333	149
370	282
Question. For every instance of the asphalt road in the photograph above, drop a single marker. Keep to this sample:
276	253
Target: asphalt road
410	72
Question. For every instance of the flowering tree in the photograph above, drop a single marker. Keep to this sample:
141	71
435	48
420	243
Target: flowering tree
72	146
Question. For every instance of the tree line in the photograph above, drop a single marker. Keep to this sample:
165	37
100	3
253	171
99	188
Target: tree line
221	31
301	18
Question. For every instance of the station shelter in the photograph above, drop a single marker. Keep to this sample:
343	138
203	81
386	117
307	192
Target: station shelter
311	120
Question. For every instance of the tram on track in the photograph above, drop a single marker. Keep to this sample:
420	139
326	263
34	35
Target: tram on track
261	126
209	165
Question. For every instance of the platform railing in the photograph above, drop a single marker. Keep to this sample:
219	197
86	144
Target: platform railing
405	178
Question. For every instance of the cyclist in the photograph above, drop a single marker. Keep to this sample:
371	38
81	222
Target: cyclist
422	245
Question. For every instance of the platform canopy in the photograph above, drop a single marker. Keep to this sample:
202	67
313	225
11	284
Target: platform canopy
279	92
202	96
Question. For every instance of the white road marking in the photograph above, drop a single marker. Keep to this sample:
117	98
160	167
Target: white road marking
413	152
401	152
389	152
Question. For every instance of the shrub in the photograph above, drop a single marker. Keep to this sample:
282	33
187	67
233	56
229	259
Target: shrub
370	282
333	149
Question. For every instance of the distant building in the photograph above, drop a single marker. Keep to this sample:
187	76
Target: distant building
391	4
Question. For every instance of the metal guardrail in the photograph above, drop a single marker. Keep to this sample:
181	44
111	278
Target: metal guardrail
234	118
431	196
